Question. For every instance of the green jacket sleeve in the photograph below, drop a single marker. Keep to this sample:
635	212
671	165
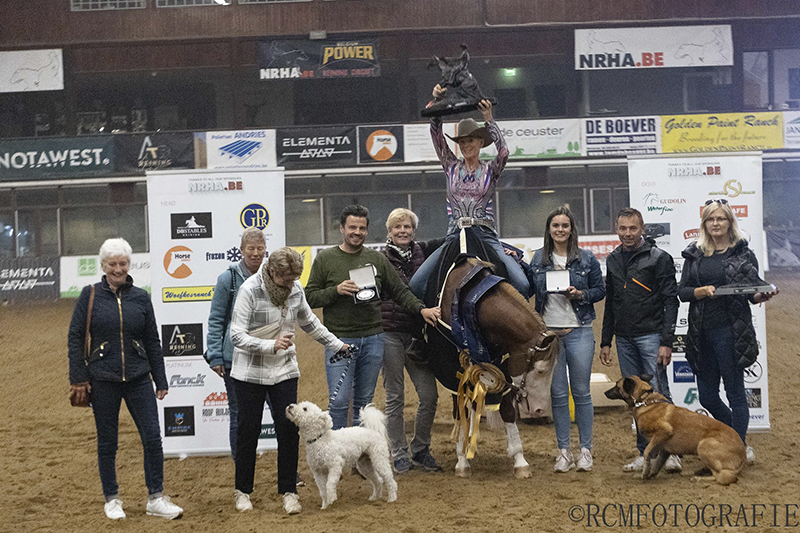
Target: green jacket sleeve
317	294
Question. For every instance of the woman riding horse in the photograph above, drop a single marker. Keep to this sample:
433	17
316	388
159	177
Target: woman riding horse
471	185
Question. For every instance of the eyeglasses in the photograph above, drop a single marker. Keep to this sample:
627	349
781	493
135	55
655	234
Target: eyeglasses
722	201
717	220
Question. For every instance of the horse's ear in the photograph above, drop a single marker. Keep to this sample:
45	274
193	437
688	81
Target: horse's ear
646	377
628	385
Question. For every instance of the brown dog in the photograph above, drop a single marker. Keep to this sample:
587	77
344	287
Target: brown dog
675	430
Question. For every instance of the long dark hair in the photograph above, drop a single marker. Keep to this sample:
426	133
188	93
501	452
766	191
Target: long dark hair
572	244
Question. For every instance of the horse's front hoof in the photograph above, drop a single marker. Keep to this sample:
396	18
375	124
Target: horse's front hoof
464	471
522	472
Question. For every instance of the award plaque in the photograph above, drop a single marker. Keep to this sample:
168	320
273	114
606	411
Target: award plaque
364	277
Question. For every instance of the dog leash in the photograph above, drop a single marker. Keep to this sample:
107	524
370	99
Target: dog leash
335	358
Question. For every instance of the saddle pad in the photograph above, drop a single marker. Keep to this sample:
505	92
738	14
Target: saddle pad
464	319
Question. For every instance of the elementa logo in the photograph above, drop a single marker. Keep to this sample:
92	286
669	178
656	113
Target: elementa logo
87	266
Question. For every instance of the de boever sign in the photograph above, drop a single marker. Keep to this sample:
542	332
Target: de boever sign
280	60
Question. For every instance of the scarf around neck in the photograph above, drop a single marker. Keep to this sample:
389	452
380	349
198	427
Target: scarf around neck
277	295
405	255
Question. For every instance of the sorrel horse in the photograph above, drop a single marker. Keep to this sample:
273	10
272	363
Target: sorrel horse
509	325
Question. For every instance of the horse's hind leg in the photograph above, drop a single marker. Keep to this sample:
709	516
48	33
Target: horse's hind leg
521	468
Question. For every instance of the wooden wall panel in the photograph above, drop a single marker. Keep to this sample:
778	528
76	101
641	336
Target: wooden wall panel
40	23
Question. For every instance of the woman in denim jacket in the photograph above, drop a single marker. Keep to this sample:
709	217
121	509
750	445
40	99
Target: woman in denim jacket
570	315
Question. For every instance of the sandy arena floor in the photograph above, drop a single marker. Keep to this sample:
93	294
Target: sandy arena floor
51	481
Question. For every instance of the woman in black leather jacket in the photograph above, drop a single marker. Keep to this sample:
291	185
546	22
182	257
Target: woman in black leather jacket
124	352
721	341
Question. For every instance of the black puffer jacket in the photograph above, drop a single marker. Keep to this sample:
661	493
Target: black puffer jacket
125	342
741	268
394	317
642	296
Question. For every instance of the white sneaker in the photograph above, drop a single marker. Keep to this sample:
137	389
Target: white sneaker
637	465
291	503
751	456
585	461
114	510
242	501
564	461
673	465
164	508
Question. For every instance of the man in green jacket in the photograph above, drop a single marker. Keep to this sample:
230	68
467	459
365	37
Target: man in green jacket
355	322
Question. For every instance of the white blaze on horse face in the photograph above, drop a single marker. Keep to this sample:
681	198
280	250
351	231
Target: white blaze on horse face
537	386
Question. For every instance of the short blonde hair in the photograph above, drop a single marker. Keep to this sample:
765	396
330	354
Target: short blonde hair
399	214
115	247
286	260
252	235
704	241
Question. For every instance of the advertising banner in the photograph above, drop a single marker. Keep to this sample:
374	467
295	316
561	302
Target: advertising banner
622	135
156	151
316	146
380	144
238	149
56	157
29	279
81	270
663	47
196	221
417	143
791	129
31	70
539	139
723	132
280	60
671	193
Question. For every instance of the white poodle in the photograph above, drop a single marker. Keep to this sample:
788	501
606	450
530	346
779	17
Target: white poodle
329	452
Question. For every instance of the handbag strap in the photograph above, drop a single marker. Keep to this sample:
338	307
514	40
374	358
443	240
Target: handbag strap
87	340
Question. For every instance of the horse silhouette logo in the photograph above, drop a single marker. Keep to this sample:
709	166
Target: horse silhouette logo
176	262
285	58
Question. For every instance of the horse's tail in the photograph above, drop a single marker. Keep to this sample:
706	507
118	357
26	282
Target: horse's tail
372	418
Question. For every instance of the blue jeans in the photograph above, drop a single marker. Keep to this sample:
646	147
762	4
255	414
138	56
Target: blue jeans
353	378
637	356
395	360
576	351
516	276
717	360
233	411
140	398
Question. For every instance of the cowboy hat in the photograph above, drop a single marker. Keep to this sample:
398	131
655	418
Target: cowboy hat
469	128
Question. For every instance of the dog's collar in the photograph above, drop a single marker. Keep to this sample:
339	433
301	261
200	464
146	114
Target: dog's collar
315	439
644	402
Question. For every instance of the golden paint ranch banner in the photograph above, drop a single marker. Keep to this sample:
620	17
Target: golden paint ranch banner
722	132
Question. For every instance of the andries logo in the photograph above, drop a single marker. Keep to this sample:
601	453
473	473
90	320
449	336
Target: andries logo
87	266
176	262
191	225
254	216
381	145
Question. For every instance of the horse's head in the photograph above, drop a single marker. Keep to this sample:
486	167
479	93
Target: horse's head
534	382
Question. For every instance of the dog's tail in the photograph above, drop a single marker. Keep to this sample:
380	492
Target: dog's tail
725	477
372	418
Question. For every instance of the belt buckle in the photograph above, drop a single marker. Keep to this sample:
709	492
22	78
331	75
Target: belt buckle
466	222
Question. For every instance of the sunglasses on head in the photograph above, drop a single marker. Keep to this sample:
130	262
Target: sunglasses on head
720	201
